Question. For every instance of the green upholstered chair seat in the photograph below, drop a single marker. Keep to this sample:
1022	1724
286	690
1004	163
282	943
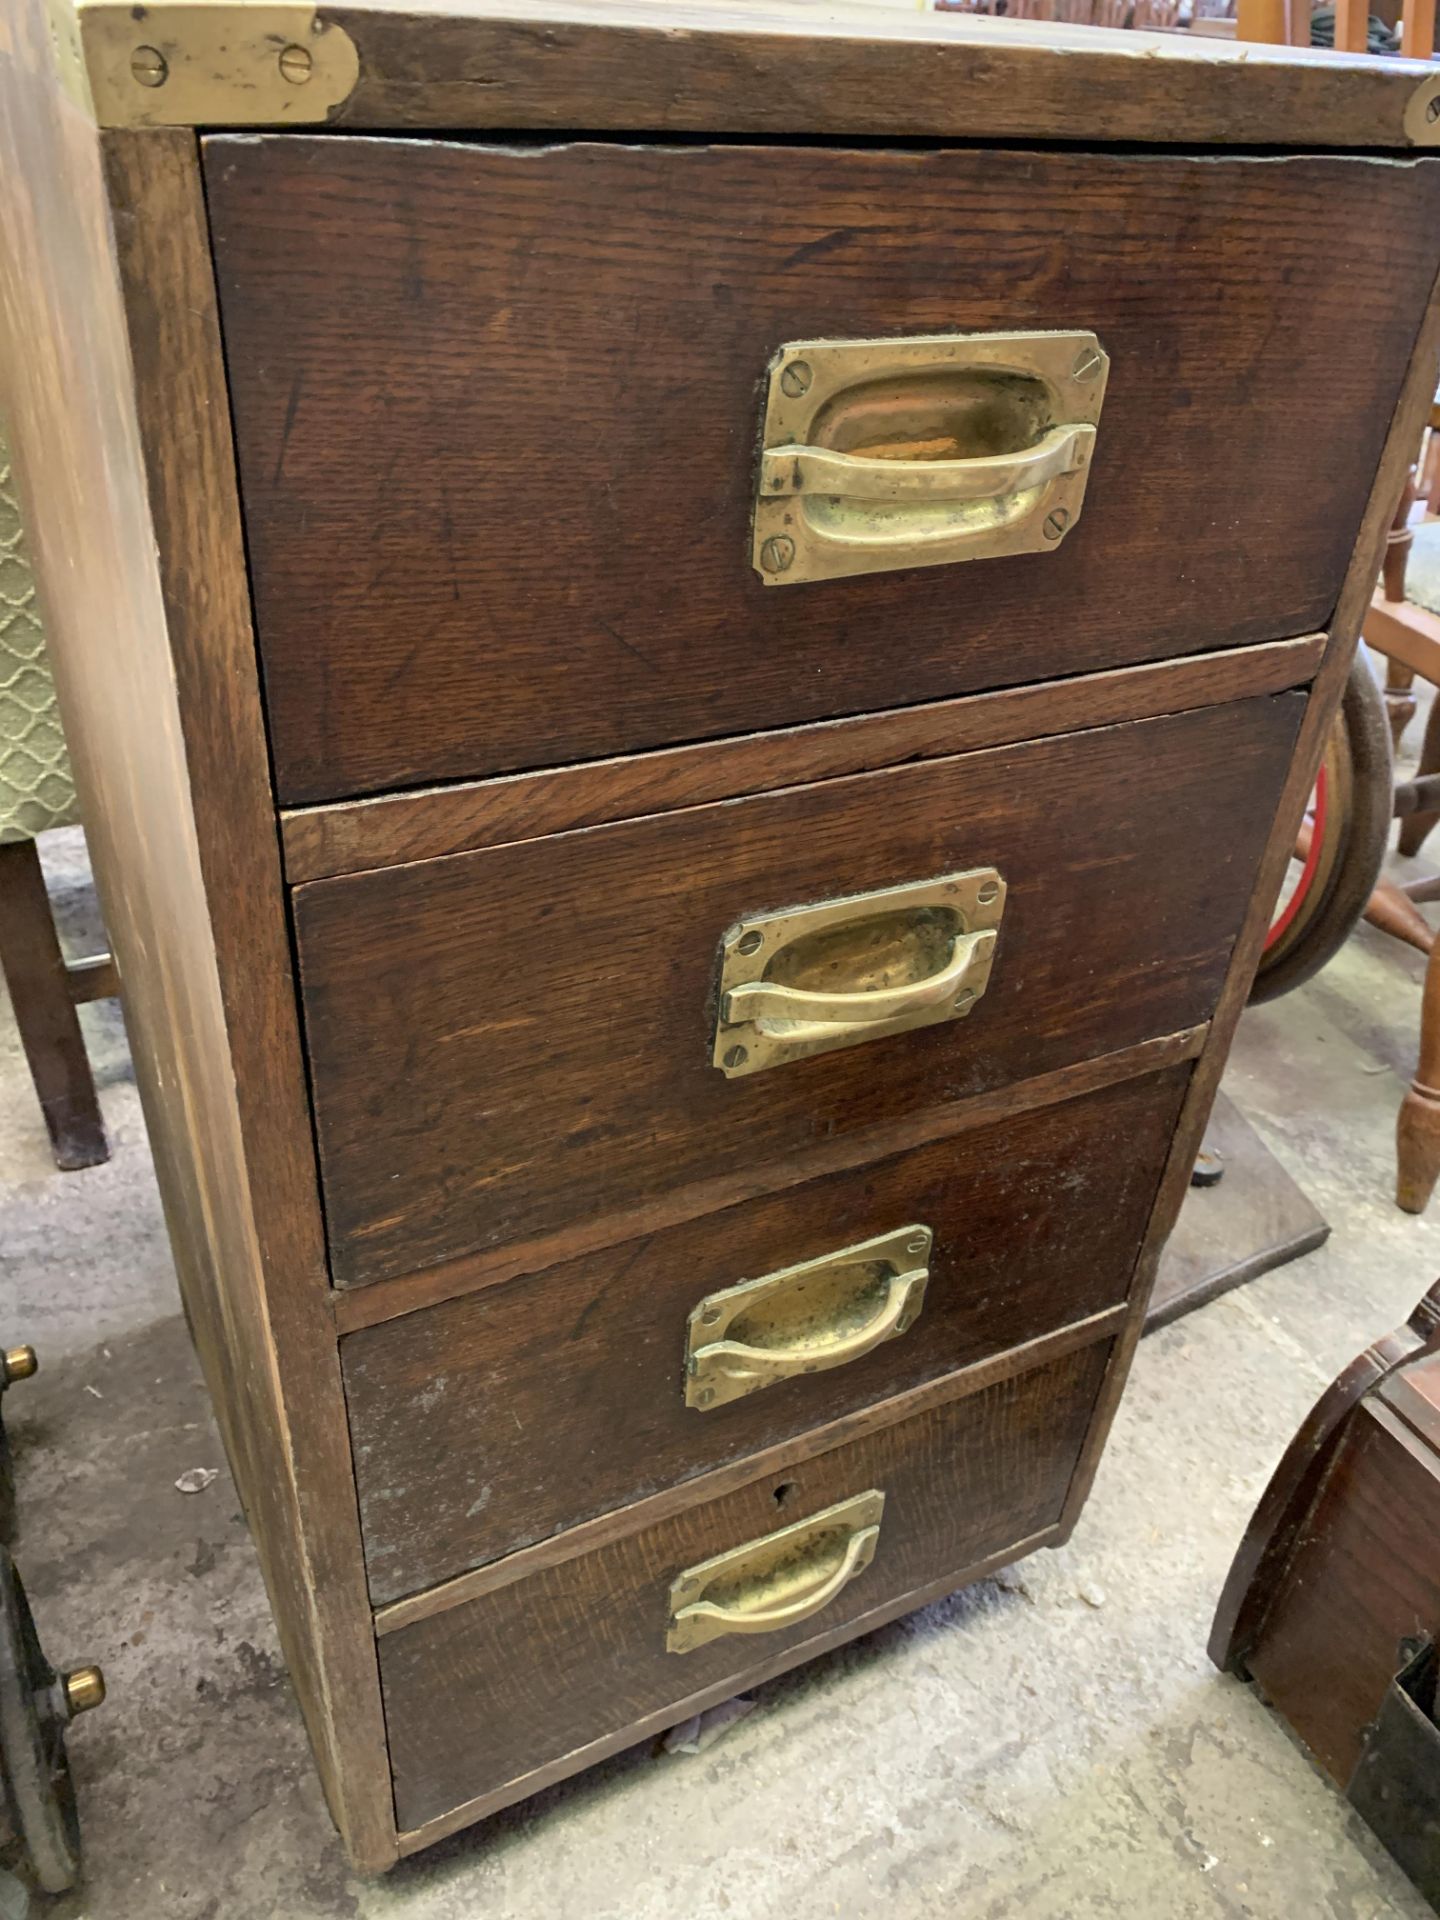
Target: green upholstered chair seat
36	790
1422	569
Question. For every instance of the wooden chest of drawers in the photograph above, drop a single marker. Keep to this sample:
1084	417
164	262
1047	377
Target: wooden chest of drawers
694	641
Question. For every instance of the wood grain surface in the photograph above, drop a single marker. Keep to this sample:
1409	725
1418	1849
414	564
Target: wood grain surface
115	402
506	1041
350	836
459	1455
493	1689
1397	456
498	492
692	65
1364	1576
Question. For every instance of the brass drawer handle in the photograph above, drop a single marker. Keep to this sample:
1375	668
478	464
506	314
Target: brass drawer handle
877	454
777	1581
806	1318
811	979
792	470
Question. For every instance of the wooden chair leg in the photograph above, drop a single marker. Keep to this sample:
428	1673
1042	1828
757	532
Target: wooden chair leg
1417	1132
1415	828
40	993
1399	699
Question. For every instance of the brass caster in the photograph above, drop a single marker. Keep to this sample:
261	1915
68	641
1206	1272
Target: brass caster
18	1363
84	1689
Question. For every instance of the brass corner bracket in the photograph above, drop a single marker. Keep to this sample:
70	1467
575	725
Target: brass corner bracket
225	63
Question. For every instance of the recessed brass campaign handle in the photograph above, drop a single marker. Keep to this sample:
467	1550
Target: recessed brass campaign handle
877	454
806	1318
813	978
792	470
777	1581
964	972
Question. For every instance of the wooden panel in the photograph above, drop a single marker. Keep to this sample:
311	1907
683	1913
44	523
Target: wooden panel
1397	455
351	836
391	318
120	429
508	1040
459	1452
692	65
1365	1575
499	1686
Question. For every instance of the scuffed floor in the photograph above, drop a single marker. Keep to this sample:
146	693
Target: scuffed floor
1052	1744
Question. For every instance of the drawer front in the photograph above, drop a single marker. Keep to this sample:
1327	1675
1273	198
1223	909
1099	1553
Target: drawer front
498	1686
506	1416
497	414
506	1042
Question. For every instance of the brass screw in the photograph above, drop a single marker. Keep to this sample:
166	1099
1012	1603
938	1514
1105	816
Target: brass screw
707	1394
752	942
1432	110
710	1316
84	1689
1088	364
148	67
963	998
296	63
777	553
796	378
1056	524
19	1363
736	1057
917	1245
990	891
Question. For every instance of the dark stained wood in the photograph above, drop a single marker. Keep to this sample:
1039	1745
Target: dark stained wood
407	1293
460	1455
1416	394
1252	1220
41	1000
1277	1528
657	1507
467	1712
509	1040
115	402
1364	1577
351	836
681	67
675	1712
391	320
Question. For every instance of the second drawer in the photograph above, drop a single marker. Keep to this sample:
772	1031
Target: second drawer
503	1417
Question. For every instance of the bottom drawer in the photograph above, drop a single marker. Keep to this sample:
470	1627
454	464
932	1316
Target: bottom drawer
572	1659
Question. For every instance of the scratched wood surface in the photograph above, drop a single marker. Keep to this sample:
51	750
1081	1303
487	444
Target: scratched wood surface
508	1040
460	1460
961	1481
496	413
697	66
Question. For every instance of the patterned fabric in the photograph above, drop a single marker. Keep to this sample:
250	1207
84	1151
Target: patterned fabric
1422	568
35	786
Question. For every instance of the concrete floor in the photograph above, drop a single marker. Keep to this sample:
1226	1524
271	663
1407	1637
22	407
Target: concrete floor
1052	1744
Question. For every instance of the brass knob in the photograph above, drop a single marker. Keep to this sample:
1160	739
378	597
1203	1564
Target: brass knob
84	1689
19	1363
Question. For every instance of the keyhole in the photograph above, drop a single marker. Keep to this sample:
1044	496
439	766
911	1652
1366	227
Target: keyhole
783	1492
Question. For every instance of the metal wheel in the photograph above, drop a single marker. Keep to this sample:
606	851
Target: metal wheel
36	1706
1341	846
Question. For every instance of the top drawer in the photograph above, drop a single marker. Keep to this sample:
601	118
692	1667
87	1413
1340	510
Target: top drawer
497	413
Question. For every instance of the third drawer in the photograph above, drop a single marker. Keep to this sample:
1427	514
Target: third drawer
498	1419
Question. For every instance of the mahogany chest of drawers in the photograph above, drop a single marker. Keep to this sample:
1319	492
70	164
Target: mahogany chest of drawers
694	641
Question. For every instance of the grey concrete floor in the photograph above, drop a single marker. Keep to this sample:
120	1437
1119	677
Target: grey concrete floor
1052	1744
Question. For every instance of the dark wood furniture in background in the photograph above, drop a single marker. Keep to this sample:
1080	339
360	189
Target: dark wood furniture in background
520	743
1338	1577
45	989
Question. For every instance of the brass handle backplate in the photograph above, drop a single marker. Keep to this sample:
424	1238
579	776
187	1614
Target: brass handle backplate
777	1581
806	1318
878	454
810	979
